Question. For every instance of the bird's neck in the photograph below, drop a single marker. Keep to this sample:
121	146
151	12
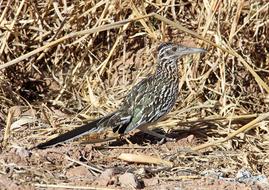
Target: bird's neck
169	66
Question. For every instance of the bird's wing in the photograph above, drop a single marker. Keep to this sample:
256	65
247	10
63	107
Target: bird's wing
147	103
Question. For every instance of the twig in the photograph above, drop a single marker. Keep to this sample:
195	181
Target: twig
245	128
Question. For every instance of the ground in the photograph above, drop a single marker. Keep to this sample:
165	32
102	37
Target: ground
100	166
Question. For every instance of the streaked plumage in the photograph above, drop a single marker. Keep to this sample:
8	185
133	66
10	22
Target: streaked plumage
147	102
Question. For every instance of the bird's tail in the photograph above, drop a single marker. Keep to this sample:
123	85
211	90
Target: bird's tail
96	125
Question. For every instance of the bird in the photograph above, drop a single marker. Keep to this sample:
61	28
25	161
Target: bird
146	103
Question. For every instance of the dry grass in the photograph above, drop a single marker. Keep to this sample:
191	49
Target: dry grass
63	63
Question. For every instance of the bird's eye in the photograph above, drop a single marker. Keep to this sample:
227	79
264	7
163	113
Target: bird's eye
169	52
174	49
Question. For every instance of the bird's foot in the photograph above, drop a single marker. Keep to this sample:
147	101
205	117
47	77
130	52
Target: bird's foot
166	139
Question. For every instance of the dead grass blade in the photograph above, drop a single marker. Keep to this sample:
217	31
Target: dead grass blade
254	74
70	187
92	167
124	22
245	128
147	27
71	35
7	34
251	18
8	126
236	18
144	159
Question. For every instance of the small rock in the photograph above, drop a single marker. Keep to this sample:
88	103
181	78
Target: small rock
128	180
108	173
141	172
150	182
107	177
23	153
244	176
78	172
217	174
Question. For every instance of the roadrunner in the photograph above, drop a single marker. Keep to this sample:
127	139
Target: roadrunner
147	102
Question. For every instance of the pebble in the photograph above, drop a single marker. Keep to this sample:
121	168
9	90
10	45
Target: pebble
128	180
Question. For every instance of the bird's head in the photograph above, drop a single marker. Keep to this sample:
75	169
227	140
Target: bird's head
170	51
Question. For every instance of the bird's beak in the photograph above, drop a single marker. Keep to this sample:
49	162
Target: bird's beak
190	50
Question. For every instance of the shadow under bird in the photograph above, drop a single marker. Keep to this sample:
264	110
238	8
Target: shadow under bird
147	102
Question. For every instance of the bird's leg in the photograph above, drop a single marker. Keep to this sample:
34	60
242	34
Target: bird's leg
144	129
122	137
162	138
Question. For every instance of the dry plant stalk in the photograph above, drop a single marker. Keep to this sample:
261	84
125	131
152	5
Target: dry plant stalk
144	159
243	129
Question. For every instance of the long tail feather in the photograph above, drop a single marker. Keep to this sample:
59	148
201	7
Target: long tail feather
76	133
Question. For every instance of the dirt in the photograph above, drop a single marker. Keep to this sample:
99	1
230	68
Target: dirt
98	166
